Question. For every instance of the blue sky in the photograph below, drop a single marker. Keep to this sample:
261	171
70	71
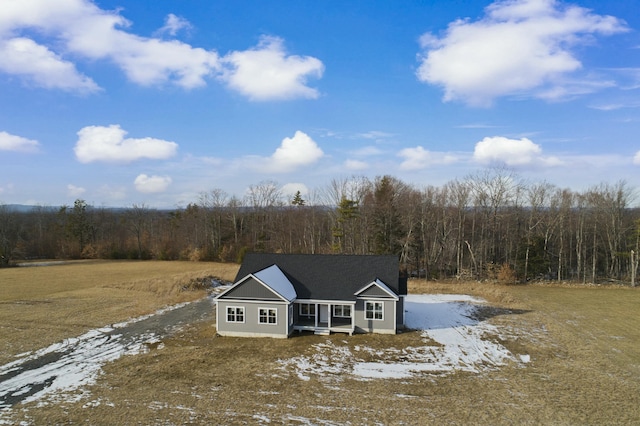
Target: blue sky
120	103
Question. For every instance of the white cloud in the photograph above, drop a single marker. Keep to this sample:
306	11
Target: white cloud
75	191
212	161
99	143
145	61
355	165
150	62
449	159
636	158
112	193
374	134
616	106
293	153
174	24
42	67
267	73
9	142
290	189
511	152
152	184
419	158
567	88
79	29
415	158
520	47
607	107
7	189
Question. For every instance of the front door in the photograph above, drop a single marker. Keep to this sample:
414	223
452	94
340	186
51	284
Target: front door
324	313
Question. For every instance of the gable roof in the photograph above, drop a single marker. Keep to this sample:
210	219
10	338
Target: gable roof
326	276
381	285
277	281
271	279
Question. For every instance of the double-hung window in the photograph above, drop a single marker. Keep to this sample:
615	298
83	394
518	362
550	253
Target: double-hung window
267	316
307	309
373	310
235	313
342	311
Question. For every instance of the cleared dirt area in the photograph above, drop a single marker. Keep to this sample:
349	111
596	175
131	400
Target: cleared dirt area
581	346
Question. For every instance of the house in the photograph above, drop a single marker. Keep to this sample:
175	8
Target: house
274	295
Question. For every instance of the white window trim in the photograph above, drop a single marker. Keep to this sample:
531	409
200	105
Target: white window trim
342	315
235	314
373	310
290	313
268	316
309	305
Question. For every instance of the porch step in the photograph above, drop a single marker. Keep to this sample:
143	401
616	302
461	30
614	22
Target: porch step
322	331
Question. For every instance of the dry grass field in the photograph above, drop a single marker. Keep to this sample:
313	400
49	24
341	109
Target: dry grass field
41	305
583	343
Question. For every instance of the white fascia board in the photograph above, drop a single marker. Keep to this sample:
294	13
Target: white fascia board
260	301
274	278
380	284
326	302
277	283
232	287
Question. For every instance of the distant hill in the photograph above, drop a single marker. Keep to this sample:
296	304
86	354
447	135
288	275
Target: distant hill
24	208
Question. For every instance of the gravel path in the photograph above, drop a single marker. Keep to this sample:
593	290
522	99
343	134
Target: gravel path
75	362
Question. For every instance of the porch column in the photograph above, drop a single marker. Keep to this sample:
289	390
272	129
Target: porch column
317	314
329	314
352	310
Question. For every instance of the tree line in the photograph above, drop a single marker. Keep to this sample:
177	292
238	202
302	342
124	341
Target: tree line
489	225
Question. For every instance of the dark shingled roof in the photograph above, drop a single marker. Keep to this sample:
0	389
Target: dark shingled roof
327	277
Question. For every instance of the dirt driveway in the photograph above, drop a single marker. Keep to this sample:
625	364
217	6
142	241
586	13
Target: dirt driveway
75	362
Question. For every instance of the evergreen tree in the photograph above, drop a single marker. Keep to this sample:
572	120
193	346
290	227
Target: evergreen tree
297	199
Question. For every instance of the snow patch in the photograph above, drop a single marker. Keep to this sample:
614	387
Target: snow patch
71	364
449	320
262	419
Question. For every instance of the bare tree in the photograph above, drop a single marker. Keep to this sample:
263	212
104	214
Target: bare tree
8	235
213	203
634	267
349	214
265	194
137	218
558	216
262	198
459	195
537	196
234	214
494	190
478	224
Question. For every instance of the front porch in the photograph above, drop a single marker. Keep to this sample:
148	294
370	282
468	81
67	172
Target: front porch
324	318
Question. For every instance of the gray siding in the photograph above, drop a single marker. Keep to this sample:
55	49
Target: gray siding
251	325
374	291
251	289
386	325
